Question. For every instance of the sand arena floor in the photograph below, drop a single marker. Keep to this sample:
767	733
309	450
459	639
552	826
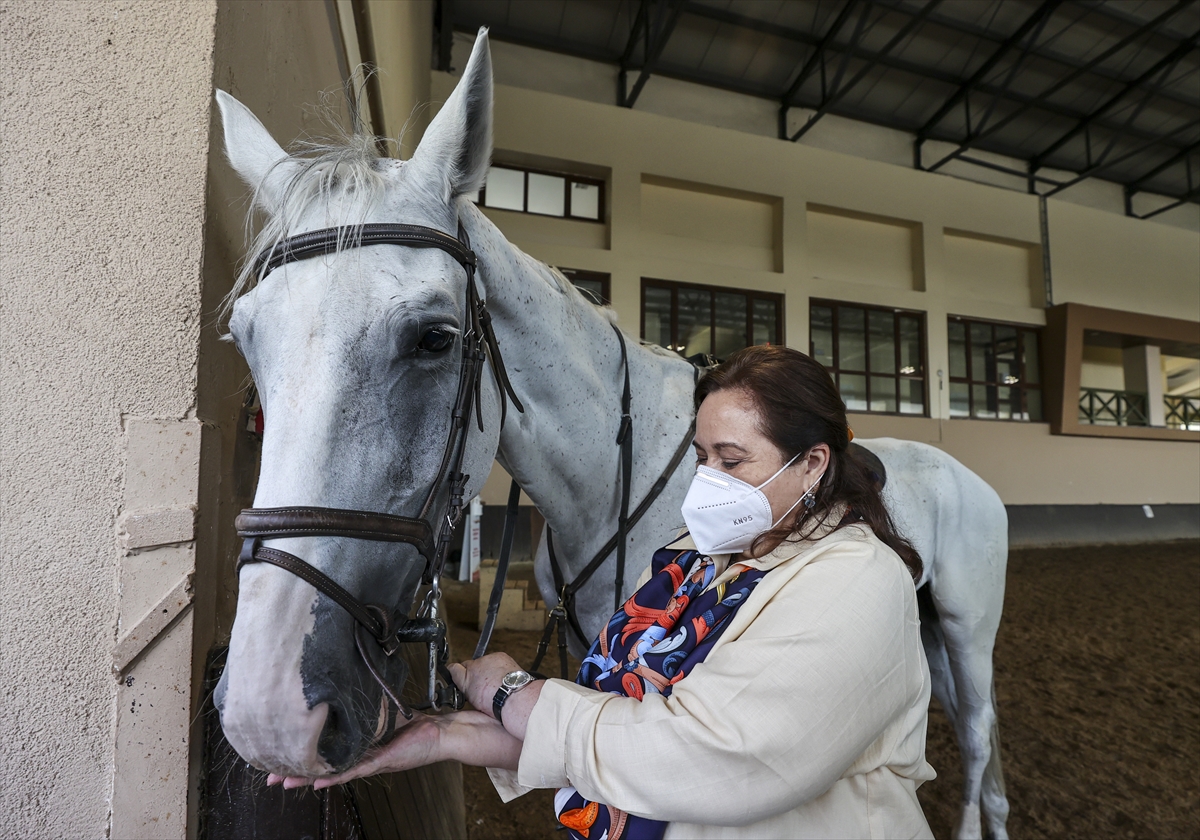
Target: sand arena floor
1098	684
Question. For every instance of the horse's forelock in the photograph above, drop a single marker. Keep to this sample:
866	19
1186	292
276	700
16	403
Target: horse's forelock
320	173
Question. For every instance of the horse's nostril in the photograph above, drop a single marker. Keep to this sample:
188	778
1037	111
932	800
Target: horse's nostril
340	743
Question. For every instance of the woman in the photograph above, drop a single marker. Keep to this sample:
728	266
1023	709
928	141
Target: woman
767	677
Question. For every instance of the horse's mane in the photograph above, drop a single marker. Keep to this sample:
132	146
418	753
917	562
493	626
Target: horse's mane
347	166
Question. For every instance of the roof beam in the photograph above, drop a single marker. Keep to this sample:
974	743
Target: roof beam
1113	11
818	54
974	30
1136	184
1179	201
1163	65
872	62
1040	15
1044	96
1102	164
666	16
801	37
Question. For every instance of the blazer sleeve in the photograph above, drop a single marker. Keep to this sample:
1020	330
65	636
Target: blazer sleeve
767	722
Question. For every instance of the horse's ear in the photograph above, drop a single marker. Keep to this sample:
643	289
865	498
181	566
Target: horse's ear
252	151
457	147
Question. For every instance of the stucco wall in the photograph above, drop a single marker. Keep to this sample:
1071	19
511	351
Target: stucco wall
105	142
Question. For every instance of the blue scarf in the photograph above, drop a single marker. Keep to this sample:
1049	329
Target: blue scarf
663	631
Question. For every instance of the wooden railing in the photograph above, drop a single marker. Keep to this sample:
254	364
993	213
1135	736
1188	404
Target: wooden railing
1102	407
1182	412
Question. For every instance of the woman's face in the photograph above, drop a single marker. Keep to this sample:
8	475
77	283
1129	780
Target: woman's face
729	439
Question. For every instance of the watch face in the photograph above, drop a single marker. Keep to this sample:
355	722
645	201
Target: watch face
516	679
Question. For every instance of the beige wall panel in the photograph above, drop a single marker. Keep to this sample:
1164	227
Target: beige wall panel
153	717
105	117
990	269
1102	259
569	233
1103	367
690	223
403	36
1028	466
846	249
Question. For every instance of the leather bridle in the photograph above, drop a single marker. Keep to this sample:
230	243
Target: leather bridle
385	625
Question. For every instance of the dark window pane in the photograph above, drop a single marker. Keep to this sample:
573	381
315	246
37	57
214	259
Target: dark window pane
592	288
983	399
585	201
505	189
883	394
1033	402
983	358
852	350
881	327
731	324
1008	363
958	349
547	194
960	399
1033	372
820	327
912	396
1008	403
656	310
694	327
766	322
853	388
910	345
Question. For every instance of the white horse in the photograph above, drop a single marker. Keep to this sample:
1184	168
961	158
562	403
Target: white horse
356	411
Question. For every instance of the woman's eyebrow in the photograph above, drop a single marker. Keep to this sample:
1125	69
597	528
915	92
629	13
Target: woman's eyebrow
719	446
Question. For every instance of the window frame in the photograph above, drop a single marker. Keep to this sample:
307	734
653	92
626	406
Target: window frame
970	382
604	278
750	294
835	370
569	178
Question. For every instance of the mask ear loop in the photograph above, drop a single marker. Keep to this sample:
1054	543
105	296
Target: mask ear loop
807	498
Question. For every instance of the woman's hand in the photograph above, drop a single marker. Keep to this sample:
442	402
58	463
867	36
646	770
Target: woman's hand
479	679
417	744
470	737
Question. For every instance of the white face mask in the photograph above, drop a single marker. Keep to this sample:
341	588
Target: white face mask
725	514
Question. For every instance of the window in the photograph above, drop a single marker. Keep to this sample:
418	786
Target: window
875	355
543	193
995	370
595	285
709	320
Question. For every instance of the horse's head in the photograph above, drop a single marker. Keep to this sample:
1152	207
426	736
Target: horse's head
356	357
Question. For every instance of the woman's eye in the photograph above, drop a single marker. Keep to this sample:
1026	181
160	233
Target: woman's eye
435	340
730	464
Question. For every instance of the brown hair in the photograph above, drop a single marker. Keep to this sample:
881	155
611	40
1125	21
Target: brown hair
800	407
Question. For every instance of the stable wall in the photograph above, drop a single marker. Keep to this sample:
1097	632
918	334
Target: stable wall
105	140
932	236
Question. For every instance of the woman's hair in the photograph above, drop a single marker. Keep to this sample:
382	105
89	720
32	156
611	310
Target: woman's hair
799	408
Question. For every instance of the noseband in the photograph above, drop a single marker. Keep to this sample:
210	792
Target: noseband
254	525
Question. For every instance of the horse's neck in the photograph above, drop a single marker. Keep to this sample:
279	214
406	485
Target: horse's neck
565	363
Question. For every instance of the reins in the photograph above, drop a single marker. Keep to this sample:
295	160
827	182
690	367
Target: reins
256	524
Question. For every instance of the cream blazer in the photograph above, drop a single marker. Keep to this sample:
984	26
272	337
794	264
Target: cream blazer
806	719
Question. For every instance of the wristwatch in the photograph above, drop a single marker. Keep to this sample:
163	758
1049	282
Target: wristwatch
513	682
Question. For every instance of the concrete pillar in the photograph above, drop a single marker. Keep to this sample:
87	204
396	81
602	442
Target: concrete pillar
1143	375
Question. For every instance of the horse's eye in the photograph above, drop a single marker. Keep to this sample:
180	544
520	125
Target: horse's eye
436	340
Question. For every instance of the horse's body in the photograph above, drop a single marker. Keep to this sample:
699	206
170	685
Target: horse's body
353	415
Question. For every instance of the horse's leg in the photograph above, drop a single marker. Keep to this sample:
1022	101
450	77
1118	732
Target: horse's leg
969	641
994	798
934	642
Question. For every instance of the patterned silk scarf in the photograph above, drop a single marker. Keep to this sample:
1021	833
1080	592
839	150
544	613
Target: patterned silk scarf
653	641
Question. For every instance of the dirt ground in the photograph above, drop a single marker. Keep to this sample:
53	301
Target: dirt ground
1098	685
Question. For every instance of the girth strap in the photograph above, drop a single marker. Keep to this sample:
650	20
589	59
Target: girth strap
265	523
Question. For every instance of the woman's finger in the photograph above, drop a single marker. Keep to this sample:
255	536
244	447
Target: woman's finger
293	782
